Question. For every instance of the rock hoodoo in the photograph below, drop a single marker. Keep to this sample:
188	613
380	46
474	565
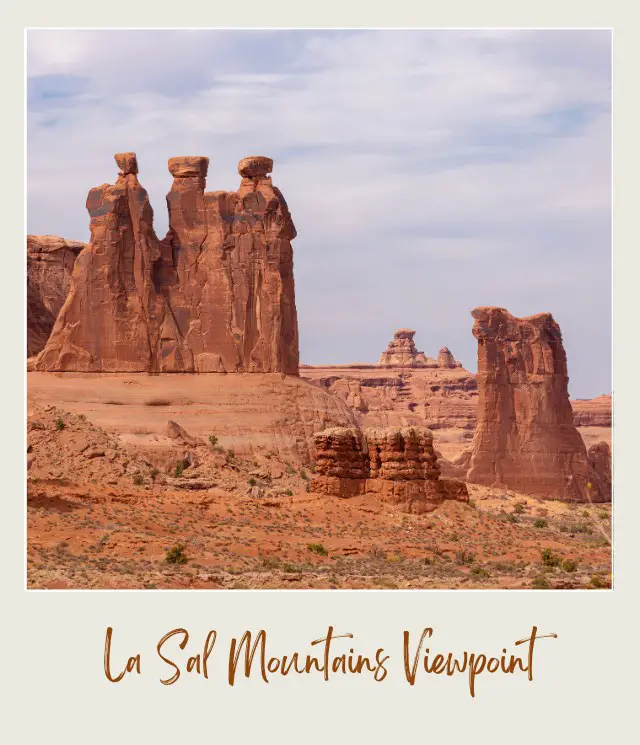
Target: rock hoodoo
525	438
216	295
402	351
396	463
446	359
50	263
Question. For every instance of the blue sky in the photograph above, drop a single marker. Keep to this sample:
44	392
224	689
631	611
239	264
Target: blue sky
427	172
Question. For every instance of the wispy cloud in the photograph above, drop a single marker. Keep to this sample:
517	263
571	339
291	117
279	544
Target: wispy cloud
427	171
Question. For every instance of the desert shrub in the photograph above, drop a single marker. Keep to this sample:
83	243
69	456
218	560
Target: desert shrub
540	523
479	571
179	468
231	453
176	555
213	440
154	473
157	402
138	479
252	481
317	548
598	581
303	474
518	508
59	424
289	493
539	583
549	559
290	469
271	562
569	565
464	557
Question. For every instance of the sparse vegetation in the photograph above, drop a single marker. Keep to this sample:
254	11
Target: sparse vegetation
549	559
569	565
138	479
317	548
176	555
59	424
540	523
252	481
179	469
213	440
539	583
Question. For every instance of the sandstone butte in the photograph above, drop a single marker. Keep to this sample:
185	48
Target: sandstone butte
50	263
525	438
216	295
399	465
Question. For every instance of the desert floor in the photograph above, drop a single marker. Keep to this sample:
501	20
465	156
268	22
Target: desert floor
102	511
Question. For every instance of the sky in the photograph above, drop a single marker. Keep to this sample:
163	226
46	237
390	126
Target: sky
427	172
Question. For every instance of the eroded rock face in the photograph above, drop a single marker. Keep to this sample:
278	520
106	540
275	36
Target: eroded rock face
600	460
50	263
342	465
525	437
446	358
216	295
402	351
397	464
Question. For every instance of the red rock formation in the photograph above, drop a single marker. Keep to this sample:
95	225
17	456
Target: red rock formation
217	295
111	319
341	466
402	352
525	438
600	460
397	464
446	359
50	263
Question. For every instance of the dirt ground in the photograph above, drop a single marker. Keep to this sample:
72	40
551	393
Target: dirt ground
105	511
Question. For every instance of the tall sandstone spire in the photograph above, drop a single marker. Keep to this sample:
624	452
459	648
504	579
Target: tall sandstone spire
525	438
216	295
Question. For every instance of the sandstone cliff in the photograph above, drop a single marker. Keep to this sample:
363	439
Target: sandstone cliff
216	295
525	438
50	263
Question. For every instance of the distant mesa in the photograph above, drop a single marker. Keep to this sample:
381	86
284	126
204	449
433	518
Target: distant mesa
215	295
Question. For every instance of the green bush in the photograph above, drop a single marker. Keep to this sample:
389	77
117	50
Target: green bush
252	481
138	480
539	583
155	473
569	565
549	559
479	571
318	548
231	453
464	557
540	523
176	555
213	440
518	508
179	469
59	424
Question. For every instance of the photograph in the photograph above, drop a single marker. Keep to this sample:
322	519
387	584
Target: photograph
318	309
